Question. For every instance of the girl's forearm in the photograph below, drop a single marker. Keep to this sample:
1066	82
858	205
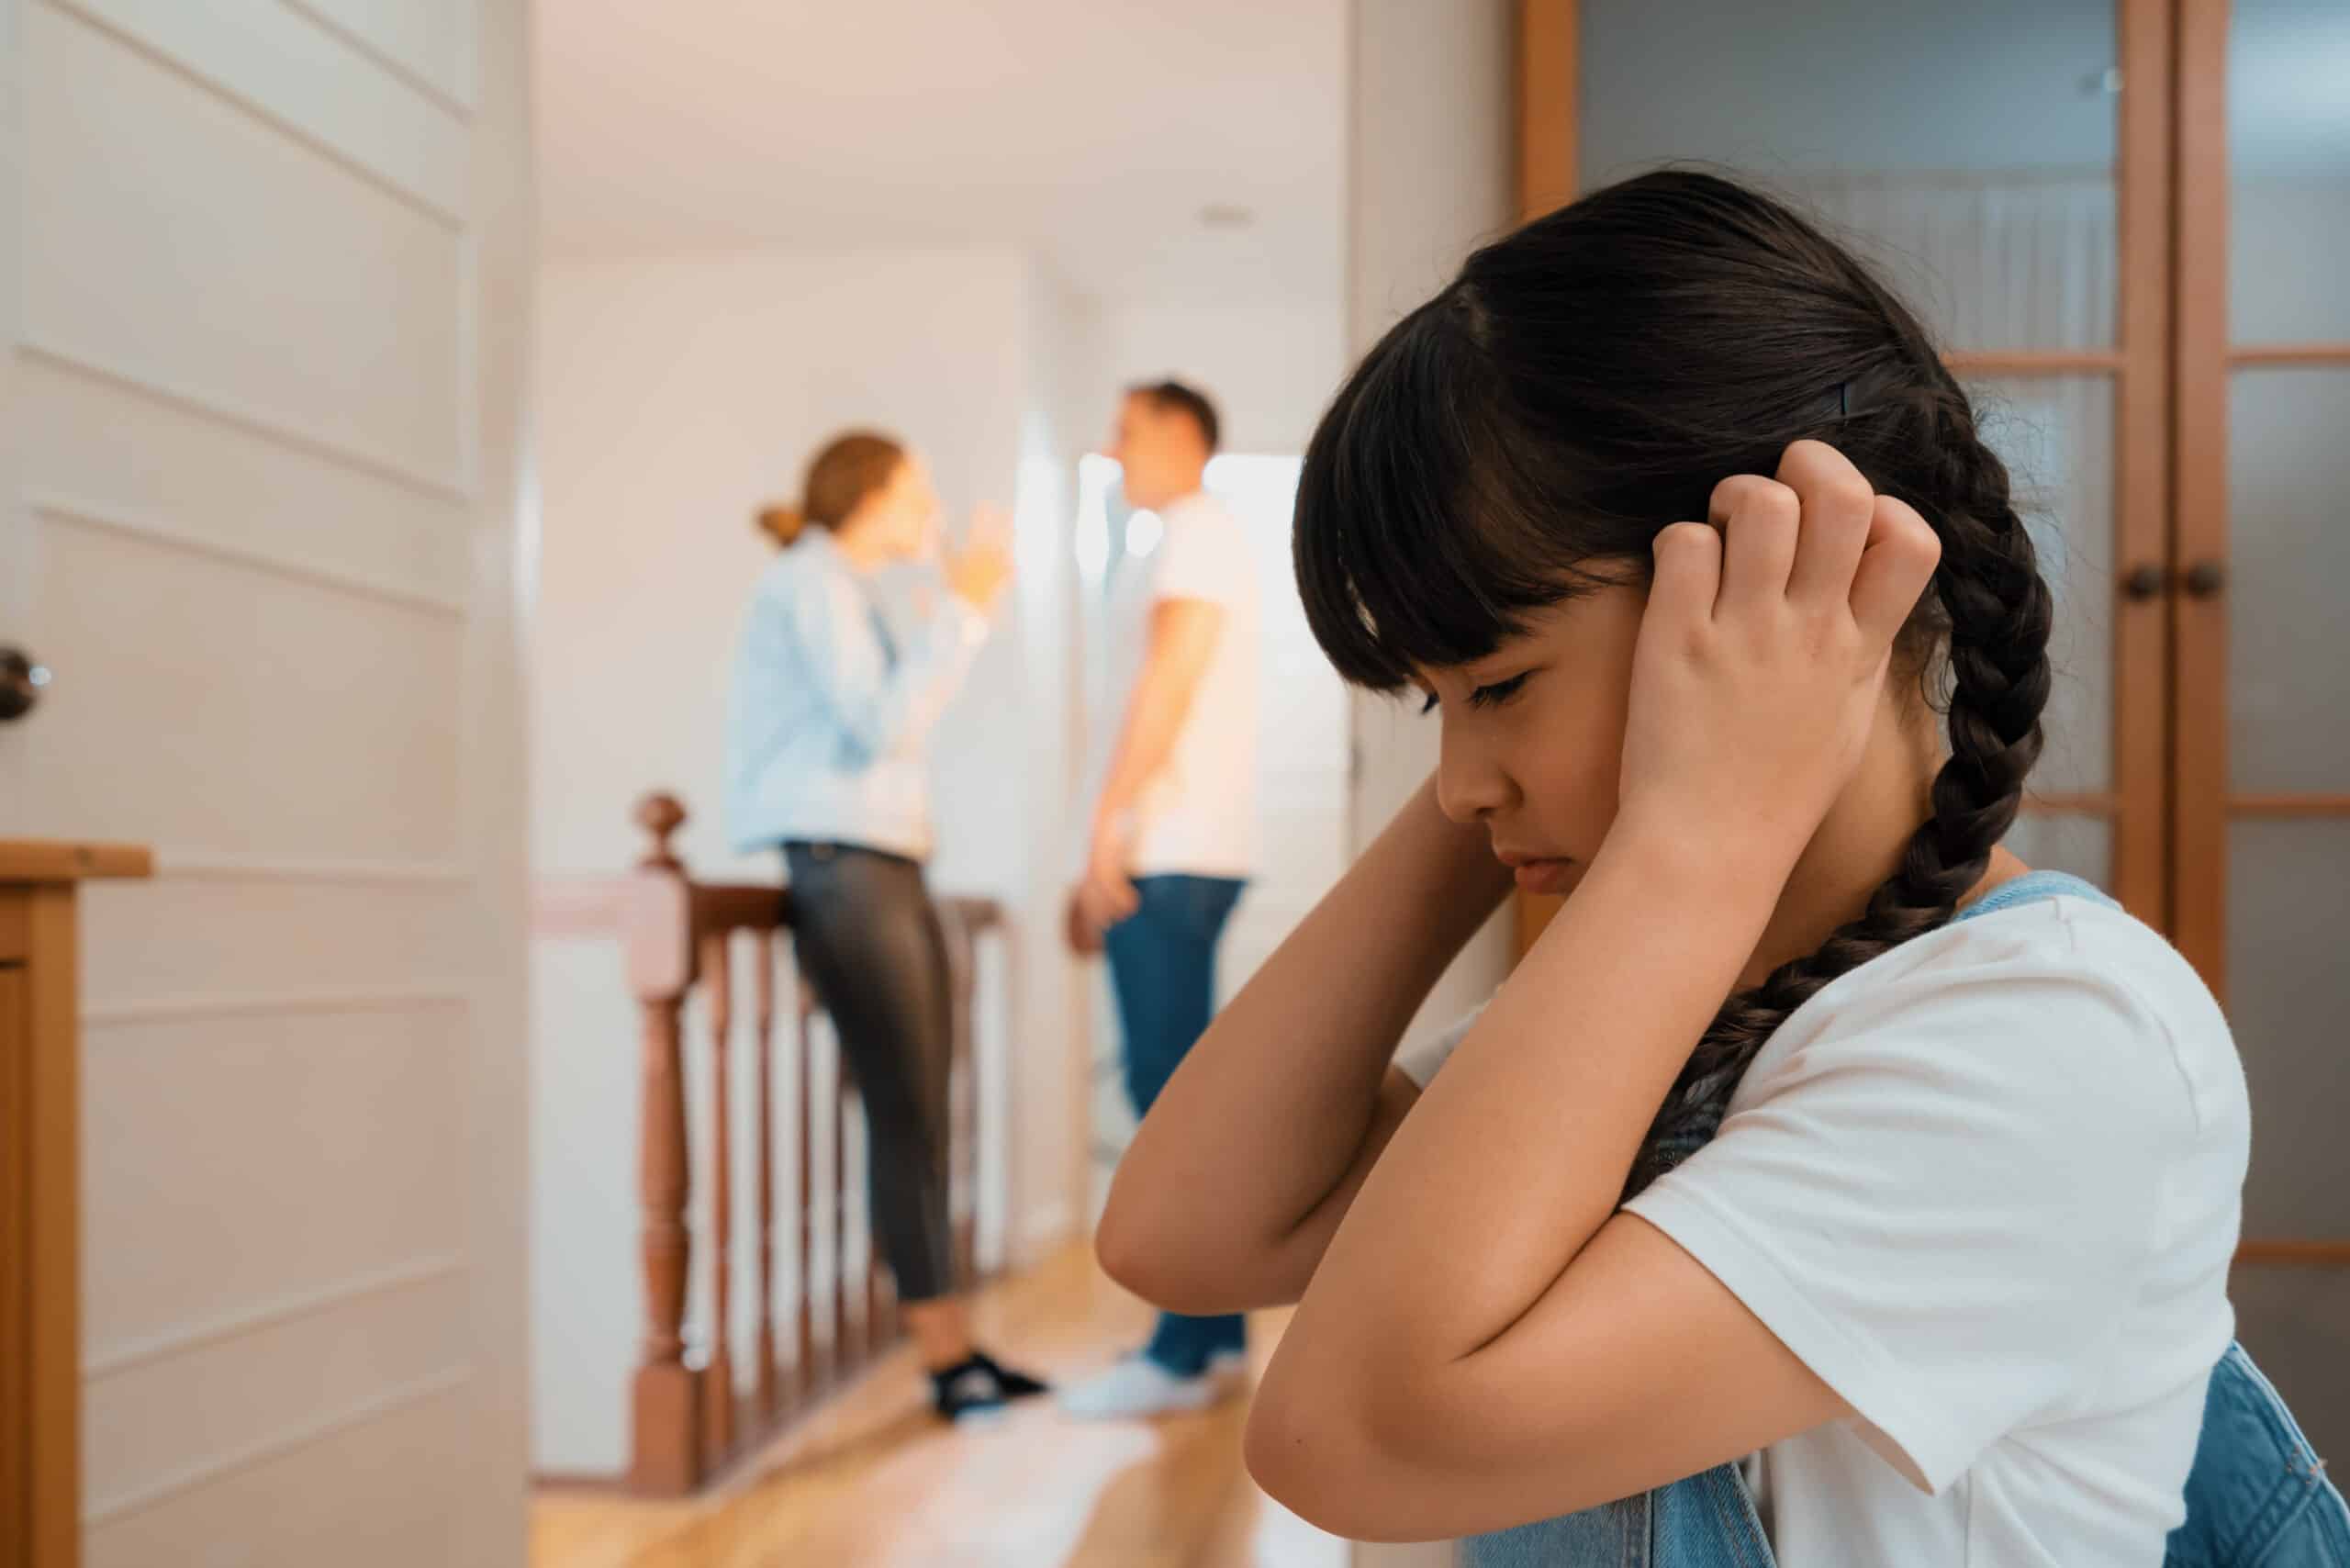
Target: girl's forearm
1267	1111
1546	1100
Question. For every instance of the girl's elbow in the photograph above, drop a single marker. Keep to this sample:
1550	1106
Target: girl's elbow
1287	1456
1133	1242
1126	1249
1315	1458
1168	1268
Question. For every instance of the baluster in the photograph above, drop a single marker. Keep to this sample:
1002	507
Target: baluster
842	1339
807	1118
718	1376
658	939
764	995
881	1300
962	1139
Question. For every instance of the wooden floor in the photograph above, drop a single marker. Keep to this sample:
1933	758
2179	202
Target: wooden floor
875	1483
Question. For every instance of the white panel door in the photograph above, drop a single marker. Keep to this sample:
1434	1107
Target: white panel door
264	285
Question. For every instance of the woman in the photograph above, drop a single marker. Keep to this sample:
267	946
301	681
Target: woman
827	720
1911	1252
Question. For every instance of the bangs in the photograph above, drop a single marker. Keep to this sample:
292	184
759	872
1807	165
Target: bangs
1419	541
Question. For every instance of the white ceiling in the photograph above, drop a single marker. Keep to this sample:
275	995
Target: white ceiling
1090	131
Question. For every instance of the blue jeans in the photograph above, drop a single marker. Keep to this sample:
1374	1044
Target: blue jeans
1162	968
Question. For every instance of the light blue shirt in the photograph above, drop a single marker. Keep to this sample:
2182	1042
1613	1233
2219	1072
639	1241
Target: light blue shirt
830	704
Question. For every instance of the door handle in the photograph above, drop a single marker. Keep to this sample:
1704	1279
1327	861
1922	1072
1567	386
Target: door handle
2205	579
21	681
2144	581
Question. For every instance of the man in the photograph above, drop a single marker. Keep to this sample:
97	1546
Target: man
1174	831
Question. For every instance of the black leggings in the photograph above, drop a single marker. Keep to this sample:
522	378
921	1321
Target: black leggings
867	937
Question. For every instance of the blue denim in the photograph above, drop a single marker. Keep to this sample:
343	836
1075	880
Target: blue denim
1705	1520
2257	1495
1163	967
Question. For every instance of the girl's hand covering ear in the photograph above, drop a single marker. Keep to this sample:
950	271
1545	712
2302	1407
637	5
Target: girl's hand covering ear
1762	654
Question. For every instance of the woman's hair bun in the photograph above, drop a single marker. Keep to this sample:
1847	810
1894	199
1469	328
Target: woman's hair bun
781	521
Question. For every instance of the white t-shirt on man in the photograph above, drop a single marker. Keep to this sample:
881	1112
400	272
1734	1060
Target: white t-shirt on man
1198	813
1987	1186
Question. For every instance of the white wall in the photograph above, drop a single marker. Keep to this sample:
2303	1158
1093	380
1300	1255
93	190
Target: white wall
680	393
1052	1044
1269	367
1429	161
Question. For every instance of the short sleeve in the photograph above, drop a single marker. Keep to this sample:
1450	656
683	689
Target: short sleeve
1944	1195
1419	1060
1197	560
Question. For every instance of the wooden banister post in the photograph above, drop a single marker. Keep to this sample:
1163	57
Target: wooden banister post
657	933
767	947
962	1137
847	1344
718	1371
806	1099
880	1293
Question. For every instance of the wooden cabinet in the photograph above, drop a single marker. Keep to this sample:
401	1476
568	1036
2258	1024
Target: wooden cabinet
40	1298
16	1448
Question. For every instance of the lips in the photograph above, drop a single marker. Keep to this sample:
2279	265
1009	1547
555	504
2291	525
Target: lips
1536	873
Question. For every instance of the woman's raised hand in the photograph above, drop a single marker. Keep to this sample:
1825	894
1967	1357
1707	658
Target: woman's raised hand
978	572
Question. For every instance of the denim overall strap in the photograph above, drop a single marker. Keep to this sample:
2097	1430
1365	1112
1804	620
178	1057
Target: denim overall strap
2034	885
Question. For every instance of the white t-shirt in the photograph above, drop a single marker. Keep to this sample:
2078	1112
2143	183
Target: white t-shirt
1198	813
1987	1186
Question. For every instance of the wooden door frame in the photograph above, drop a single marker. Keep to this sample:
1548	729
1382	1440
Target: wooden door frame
1549	131
2139	363
2146	190
2200	467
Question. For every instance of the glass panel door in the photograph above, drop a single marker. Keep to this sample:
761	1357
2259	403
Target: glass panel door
2262	827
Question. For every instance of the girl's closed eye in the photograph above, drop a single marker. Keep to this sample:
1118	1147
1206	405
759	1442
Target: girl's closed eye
1492	694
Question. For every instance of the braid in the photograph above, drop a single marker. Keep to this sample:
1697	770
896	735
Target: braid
1999	613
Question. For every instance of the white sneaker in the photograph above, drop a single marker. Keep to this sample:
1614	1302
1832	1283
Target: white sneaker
1139	1386
1229	1363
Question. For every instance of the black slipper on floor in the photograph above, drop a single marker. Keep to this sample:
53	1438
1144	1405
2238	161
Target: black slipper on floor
979	1385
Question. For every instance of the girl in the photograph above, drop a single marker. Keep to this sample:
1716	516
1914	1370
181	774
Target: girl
825	759
1931	1228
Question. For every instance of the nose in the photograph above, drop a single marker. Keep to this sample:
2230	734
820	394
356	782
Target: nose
1471	783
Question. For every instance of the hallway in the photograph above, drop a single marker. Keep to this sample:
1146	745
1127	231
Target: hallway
874	1482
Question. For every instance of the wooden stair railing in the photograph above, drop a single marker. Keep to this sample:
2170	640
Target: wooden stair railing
688	1421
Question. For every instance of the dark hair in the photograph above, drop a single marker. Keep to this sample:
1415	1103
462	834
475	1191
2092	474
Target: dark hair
1173	395
845	470
1587	381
